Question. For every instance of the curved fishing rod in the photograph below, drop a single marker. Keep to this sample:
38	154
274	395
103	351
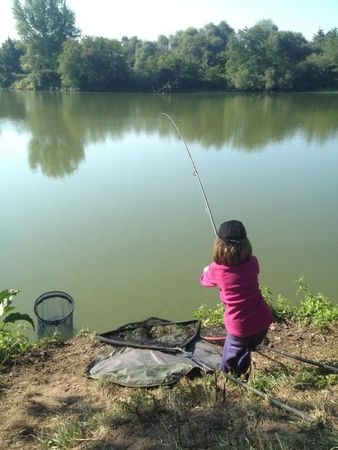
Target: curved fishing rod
195	173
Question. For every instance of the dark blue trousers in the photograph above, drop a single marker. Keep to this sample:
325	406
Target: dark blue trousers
237	352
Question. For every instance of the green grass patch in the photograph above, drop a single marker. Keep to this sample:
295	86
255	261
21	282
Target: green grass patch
314	378
210	316
68	434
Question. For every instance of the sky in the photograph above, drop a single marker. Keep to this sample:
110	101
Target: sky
147	19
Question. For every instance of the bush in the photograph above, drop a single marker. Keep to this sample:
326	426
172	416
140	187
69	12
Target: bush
313	309
210	316
12	339
281	307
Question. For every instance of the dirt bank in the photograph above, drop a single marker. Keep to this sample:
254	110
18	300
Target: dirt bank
45	390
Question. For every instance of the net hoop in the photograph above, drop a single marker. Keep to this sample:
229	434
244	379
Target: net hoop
52	294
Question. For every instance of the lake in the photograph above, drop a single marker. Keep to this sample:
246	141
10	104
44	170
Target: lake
99	200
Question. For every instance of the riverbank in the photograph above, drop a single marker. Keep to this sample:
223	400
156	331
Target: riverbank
47	402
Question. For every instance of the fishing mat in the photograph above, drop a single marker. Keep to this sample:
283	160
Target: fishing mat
140	367
154	352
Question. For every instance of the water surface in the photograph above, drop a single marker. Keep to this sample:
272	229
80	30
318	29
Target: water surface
98	197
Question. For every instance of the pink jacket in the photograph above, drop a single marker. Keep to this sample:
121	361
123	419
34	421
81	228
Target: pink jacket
246	312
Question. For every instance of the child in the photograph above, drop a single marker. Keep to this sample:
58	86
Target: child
247	316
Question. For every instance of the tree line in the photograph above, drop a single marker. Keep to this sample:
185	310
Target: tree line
52	54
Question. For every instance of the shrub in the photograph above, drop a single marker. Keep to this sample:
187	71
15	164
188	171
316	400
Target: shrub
313	309
12	340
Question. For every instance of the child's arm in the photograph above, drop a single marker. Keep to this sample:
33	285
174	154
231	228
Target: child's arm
206	278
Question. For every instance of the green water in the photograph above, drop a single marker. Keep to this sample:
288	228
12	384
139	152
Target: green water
98	198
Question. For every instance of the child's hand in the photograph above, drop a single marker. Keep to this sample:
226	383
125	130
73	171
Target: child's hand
206	268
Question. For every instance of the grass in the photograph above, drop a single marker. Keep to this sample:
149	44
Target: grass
305	378
208	412
68	434
313	309
14	344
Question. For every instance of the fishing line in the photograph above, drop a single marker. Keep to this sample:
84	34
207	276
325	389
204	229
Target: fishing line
195	172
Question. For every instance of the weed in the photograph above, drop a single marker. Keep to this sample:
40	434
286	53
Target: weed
314	309
67	434
12	338
210	316
280	306
12	343
141	404
314	378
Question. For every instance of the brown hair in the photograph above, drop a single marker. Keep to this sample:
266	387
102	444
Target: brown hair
232	253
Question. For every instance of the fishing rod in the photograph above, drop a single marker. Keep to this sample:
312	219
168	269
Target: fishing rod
269	348
195	172
300	358
272	400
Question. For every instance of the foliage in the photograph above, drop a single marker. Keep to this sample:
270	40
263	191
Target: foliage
281	307
314	378
266	382
210	316
263	58
302	378
43	25
325	57
93	64
10	66
12	341
313	309
67	434
6	300
260	58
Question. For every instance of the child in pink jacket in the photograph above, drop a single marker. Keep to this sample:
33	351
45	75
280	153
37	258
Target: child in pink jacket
247	316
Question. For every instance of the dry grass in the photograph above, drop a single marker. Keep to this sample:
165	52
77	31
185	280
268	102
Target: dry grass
47	402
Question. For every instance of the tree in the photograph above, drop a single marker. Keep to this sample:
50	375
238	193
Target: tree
93	64
129	47
174	72
285	54
43	25
264	58
325	57
204	49
10	66
145	71
247	59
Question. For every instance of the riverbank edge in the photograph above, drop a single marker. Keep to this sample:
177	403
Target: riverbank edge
47	401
